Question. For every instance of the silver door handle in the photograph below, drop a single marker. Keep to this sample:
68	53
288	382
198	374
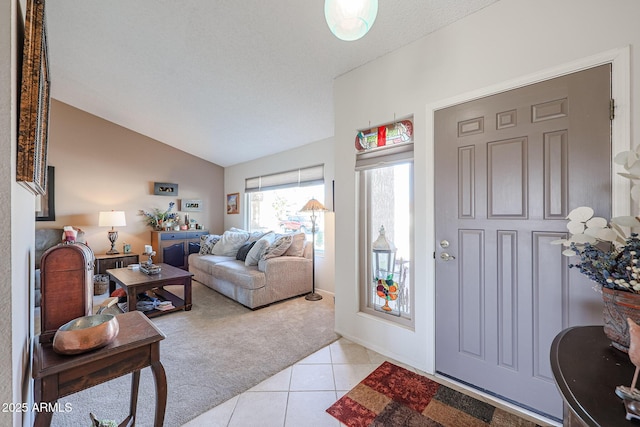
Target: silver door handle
446	257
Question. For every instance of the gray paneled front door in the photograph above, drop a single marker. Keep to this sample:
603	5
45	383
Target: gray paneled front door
509	167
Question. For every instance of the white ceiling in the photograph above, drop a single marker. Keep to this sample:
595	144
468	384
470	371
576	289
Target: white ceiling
225	80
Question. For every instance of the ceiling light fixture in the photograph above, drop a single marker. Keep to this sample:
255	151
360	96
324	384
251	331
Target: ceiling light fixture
350	19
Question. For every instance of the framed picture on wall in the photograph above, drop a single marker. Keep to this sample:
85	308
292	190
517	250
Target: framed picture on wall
31	166
165	189
191	205
233	203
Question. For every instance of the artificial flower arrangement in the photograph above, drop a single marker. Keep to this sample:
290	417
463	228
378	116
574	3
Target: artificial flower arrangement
608	256
156	218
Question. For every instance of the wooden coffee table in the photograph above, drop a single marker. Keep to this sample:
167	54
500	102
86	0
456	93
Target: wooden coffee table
135	282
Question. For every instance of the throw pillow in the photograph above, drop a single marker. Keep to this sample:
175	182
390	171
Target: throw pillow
230	242
297	245
257	251
244	250
253	235
279	247
207	241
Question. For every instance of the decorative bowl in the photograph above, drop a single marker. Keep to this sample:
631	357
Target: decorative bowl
85	333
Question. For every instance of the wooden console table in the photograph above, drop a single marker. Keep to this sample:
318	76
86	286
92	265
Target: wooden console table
136	346
587	370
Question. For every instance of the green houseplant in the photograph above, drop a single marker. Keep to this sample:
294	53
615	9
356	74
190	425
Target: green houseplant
609	255
156	217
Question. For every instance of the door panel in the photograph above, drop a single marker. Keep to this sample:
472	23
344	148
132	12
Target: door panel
509	167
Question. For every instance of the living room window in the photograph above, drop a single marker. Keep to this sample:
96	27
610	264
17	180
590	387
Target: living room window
274	202
385	181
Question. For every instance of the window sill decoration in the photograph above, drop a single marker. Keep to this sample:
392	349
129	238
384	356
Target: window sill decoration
389	134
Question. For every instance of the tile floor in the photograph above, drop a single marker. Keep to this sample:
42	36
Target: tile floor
300	394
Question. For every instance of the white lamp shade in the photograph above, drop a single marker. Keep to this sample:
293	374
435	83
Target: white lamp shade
350	19
112	219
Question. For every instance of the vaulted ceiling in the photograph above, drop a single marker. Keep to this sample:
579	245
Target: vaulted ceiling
227	81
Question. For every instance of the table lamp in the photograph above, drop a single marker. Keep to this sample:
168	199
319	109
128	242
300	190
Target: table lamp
112	219
313	206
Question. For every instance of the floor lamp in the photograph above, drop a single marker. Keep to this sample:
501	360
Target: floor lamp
312	206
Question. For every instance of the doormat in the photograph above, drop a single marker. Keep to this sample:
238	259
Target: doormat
393	396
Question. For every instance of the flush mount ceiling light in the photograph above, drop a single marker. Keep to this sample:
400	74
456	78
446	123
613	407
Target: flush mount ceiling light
350	19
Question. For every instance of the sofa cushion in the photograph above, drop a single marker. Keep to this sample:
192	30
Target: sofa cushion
239	274
207	262
279	247
207	242
229	243
297	245
257	251
244	250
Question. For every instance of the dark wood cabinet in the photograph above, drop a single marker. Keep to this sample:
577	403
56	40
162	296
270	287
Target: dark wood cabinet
105	262
174	247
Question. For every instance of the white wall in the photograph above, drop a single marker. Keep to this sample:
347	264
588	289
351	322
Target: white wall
503	42
308	155
16	241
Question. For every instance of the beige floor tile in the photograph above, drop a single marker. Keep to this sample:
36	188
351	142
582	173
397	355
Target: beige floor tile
348	376
278	382
216	417
320	356
263	408
349	353
308	409
312	378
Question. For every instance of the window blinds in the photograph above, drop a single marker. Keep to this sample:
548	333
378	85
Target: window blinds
312	175
384	156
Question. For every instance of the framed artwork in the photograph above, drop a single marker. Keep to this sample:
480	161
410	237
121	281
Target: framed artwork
45	204
165	189
191	205
31	167
233	203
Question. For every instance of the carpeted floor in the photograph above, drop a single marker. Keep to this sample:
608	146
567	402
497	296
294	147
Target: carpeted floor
393	396
212	353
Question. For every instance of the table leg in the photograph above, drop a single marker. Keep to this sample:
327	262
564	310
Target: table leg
135	383
160	379
187	294
132	298
44	390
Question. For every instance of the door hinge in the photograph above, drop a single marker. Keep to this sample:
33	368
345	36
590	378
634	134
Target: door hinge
612	109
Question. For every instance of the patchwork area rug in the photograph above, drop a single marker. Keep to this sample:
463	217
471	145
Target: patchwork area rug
393	396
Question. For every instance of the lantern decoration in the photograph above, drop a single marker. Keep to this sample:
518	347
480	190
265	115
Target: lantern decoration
384	263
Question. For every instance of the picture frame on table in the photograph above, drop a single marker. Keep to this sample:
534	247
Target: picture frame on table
35	99
233	203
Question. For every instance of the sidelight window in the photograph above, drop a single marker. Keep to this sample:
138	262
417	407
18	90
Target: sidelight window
385	180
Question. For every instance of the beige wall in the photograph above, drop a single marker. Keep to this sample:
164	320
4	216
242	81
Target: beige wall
16	242
100	166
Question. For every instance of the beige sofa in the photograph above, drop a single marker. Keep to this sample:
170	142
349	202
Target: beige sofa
255	286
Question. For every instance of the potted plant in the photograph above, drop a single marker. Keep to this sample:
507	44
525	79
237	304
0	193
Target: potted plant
610	256
157	218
